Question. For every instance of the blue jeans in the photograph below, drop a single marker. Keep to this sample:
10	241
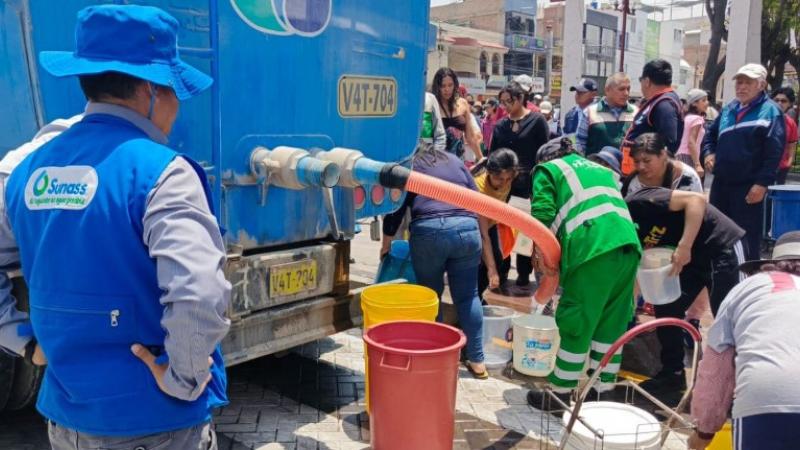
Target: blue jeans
452	245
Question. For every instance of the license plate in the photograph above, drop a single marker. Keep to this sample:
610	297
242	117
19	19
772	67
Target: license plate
289	279
367	96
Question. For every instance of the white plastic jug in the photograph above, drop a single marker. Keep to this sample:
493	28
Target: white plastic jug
536	342
656	285
497	335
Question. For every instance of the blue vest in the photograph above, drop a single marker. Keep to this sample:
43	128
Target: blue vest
76	207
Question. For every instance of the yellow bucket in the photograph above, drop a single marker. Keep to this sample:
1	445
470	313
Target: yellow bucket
723	440
392	302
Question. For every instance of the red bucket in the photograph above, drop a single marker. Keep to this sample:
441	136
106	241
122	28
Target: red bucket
413	369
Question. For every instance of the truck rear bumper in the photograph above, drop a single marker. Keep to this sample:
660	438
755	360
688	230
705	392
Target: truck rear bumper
283	327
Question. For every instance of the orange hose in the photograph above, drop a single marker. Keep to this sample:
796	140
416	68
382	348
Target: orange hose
496	210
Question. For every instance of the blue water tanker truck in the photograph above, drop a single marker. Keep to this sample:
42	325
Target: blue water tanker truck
311	99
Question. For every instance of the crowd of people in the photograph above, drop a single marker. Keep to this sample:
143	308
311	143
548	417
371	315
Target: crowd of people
618	178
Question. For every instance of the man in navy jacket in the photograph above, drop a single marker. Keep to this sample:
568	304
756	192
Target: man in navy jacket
743	148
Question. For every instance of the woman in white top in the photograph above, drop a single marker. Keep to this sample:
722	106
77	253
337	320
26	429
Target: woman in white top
656	168
693	130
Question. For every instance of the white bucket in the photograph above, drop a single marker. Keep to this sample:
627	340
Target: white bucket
656	285
624	427
497	336
536	342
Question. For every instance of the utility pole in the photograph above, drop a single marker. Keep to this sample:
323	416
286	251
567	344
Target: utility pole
626	9
572	41
744	46
549	61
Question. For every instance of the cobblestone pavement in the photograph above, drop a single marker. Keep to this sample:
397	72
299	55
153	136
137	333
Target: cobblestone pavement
312	398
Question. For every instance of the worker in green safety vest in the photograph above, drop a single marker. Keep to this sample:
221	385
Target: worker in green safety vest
606	122
600	251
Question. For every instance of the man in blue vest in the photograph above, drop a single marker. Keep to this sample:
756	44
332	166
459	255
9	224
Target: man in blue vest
662	113
120	249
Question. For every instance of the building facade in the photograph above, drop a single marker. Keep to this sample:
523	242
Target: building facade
477	56
515	20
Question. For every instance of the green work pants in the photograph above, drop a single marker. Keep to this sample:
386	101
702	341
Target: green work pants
594	311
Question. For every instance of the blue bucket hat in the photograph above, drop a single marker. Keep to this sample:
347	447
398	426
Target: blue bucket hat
611	156
140	41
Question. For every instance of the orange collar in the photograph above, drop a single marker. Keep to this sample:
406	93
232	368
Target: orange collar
660	93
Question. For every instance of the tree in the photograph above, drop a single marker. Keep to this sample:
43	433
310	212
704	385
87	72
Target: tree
794	57
715	66
778	19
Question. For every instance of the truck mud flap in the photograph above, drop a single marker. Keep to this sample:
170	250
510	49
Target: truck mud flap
25	388
19	380
6	378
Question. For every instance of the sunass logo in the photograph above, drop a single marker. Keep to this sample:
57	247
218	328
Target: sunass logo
70	187
306	18
41	184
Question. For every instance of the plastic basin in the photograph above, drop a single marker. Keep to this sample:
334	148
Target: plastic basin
497	336
392	302
414	373
624	427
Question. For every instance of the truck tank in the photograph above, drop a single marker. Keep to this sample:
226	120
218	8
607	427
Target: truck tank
303	89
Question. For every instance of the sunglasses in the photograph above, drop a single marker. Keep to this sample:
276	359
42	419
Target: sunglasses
782	100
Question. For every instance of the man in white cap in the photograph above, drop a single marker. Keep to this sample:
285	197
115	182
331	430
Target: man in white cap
547	111
527	84
743	148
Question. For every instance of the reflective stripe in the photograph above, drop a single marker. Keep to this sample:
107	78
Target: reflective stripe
569	173
599	347
567	375
593	213
739	251
609	368
603	387
750	123
580	197
571	357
